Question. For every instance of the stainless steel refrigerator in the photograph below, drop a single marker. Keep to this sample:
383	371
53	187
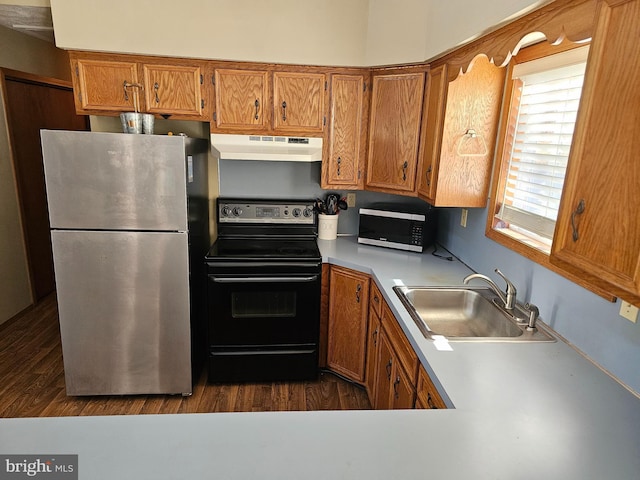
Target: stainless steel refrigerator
129	230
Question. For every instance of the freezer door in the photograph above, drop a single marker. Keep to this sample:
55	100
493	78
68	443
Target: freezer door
123	301
111	181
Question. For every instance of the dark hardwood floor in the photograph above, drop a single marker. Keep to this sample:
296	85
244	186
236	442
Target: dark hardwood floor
32	382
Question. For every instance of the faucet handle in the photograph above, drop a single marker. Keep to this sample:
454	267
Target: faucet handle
534	313
511	291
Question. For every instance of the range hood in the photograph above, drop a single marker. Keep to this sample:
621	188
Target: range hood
265	147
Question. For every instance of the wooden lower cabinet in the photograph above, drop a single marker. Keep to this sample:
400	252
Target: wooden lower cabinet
347	330
366	344
396	366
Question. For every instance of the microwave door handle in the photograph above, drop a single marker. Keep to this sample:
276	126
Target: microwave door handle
311	278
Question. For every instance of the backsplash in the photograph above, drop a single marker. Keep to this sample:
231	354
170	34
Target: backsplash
261	179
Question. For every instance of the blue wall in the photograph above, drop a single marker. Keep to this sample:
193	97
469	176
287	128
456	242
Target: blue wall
586	320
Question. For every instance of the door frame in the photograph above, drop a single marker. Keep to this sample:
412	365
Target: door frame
29	78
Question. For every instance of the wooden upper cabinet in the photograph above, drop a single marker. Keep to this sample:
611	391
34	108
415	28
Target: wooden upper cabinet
109	84
348	312
459	133
597	232
298	102
173	89
242	100
394	131
344	166
100	85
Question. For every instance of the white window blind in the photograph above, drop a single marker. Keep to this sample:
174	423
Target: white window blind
549	99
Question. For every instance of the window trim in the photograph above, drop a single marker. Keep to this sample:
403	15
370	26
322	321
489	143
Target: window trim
501	166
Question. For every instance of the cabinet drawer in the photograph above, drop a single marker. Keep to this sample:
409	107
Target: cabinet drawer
404	351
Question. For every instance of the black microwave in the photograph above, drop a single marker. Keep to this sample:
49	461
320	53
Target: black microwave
395	226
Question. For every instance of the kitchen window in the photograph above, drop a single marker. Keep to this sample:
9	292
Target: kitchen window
544	85
545	94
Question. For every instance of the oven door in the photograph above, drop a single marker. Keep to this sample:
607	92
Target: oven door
264	305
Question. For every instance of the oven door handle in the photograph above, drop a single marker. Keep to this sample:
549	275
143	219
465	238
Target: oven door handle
311	278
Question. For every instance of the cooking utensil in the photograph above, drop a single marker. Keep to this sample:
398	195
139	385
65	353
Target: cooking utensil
332	204
342	204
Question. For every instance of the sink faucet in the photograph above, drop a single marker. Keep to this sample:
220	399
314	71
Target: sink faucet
508	298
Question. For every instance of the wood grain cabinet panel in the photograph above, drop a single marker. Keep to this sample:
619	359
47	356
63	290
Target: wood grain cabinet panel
597	232
427	394
173	89
394	132
100	85
298	102
344	167
348	312
374	331
242	100
459	133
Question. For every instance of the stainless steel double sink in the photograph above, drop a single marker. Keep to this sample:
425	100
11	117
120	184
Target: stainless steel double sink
467	314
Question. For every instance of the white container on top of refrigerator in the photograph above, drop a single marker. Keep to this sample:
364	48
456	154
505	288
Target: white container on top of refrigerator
129	229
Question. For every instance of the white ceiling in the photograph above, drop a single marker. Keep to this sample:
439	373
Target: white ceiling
28	19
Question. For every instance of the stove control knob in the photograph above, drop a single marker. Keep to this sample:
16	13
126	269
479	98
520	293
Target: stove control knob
307	212
226	211
237	211
297	212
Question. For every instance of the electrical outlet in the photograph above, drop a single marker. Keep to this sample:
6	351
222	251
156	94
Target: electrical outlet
351	200
628	311
463	217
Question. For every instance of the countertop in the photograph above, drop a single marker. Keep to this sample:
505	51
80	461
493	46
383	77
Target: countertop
520	411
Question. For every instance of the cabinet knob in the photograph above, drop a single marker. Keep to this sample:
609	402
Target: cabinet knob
284	111
388	368
375	337
257	105
339	161
430	402
155	90
428	175
578	211
358	288
404	170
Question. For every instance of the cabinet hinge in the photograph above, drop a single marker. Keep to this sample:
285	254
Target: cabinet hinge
324	121
201	79
215	117
359	174
201	103
213	79
364	87
325	86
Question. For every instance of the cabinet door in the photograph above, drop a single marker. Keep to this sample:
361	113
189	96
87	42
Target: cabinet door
174	89
373	352
403	393
427	395
100	85
298	102
458	140
396	110
343	167
598	227
434	104
348	309
385	369
241	100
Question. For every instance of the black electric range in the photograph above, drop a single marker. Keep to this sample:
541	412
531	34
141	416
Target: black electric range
264	275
